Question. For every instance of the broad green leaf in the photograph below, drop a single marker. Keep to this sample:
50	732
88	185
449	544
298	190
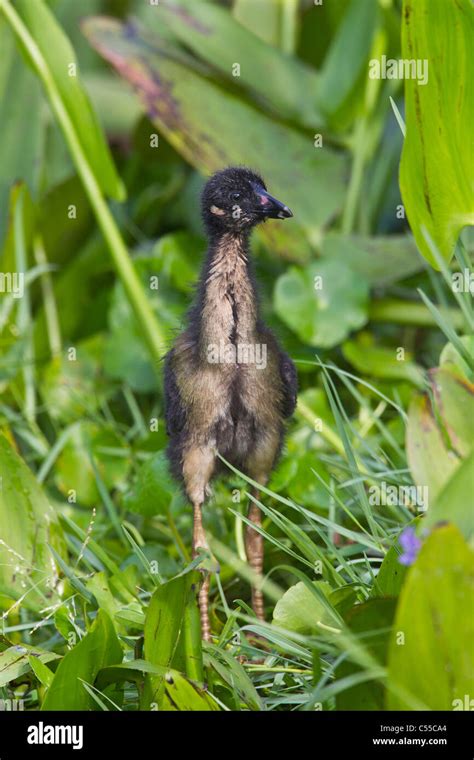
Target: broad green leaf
163	625
69	15
390	577
321	303
154	490
21	143
28	524
123	583
233	675
451	359
371	622
116	107
133	670
211	127
63	623
131	615
454	502
282	82
379	259
98	649
455	402
299	610
381	362
64	69
180	692
42	672
99	586
292	243
432	664
435	172
183	695
343	599
263	18
431	462
192	640
15	661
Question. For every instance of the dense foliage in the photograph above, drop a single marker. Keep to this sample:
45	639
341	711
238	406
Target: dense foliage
368	516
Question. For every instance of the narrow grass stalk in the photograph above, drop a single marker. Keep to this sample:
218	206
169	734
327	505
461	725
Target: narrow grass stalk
24	321
447	328
312	516
138	420
289	17
106	499
398	116
155	577
303	411
340	416
361	143
411	313
177	537
359	380
53	454
93	546
464	300
50	310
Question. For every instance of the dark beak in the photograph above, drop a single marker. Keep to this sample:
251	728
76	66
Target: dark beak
270	207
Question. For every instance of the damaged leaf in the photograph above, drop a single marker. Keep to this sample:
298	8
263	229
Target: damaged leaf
212	128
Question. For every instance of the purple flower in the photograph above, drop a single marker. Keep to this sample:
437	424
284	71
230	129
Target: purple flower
410	544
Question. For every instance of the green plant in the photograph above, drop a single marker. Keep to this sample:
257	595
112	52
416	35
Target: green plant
96	577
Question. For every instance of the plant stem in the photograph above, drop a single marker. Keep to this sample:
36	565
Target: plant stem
411	313
50	310
24	322
303	411
239	537
177	537
357	174
289	15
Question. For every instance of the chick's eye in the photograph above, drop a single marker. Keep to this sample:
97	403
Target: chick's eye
235	196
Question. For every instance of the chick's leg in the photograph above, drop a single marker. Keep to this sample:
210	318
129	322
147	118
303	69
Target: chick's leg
200	544
259	466
198	466
254	552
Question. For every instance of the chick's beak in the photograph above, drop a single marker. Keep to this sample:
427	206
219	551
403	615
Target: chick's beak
270	207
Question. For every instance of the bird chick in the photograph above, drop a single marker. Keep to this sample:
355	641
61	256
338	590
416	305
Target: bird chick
228	385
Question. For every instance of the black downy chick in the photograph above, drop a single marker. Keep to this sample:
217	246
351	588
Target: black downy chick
228	385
